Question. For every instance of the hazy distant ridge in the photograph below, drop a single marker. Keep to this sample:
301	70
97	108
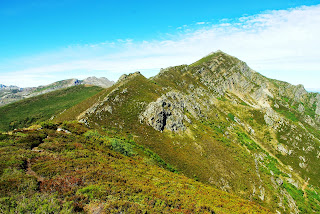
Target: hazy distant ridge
9	94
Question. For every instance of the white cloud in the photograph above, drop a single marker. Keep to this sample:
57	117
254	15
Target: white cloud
281	44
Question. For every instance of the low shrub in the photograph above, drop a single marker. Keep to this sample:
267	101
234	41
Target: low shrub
231	116
122	147
48	125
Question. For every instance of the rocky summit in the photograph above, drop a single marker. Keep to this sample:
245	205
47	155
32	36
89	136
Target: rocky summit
102	82
220	123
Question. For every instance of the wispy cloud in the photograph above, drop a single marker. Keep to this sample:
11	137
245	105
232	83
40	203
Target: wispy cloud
281	44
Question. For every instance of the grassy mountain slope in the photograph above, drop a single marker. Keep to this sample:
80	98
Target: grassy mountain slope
25	112
220	122
46	171
13	93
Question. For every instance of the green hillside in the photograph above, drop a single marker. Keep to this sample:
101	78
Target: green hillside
28	111
215	121
219	122
45	171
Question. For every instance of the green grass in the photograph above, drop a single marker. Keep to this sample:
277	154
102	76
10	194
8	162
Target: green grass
26	112
243	103
313	168
286	99
307	203
85	172
203	60
56	84
311	111
245	140
231	116
288	113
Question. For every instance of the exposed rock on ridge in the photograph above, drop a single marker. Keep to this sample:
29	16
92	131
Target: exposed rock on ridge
168	112
102	82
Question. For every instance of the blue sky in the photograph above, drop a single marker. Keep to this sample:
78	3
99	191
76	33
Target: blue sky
42	41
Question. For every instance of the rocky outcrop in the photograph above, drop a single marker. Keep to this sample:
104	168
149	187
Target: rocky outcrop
318	110
272	118
317	102
224	73
124	77
220	77
296	93
169	112
102	82
300	108
299	93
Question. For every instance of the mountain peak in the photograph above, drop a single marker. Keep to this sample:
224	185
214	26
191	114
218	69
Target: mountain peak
216	52
129	76
102	81
213	56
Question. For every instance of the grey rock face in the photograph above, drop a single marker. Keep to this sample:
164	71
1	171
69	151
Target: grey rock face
270	117
129	76
220	79
228	74
300	108
318	110
309	120
282	149
299	93
318	104
168	112
63	130
102	82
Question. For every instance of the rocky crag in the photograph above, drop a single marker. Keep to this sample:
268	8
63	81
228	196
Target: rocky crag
102	82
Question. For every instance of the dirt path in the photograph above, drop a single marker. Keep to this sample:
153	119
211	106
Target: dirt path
33	173
304	186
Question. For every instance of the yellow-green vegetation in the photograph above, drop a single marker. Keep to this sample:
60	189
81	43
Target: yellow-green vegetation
53	85
126	101
28	111
77	109
307	200
229	144
45	171
205	59
222	124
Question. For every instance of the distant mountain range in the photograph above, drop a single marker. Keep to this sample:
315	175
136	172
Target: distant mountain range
9	94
